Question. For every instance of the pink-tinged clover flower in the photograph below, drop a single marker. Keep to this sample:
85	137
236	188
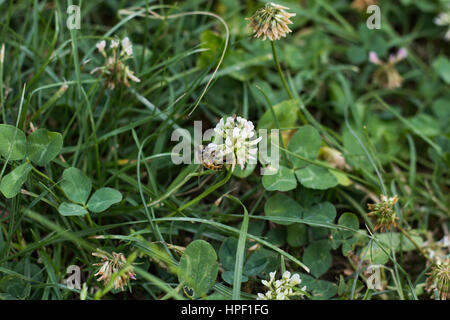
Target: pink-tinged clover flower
387	75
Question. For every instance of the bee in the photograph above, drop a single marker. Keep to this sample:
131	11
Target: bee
209	158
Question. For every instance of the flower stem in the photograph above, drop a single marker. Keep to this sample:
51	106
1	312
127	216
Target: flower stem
283	79
207	192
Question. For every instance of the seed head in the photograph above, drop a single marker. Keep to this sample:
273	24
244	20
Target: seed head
439	278
384	212
110	264
271	22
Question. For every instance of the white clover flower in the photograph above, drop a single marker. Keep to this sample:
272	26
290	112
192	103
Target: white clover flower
114	44
286	275
127	47
272	275
295	279
101	47
236	144
115	71
281	296
443	20
283	288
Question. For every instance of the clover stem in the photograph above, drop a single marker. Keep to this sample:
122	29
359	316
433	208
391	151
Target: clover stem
283	79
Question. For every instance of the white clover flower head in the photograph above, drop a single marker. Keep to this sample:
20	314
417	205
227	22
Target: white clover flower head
237	140
271	21
101	46
283	288
115	71
443	20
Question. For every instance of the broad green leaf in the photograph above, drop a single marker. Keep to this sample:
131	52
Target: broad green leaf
441	109
44	146
12	183
305	143
286	113
318	258
242	65
389	241
71	209
228	277
198	267
280	205
323	212
283	180
315	177
442	67
348	220
356	54
13	143
426	124
227	253
354	153
14	287
320	289
103	198
259	261
76	185
297	235
345	237
211	43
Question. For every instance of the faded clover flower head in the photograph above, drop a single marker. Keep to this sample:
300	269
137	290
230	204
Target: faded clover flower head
282	289
110	264
236	144
443	20
387	75
384	213
439	278
333	157
271	22
115	70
